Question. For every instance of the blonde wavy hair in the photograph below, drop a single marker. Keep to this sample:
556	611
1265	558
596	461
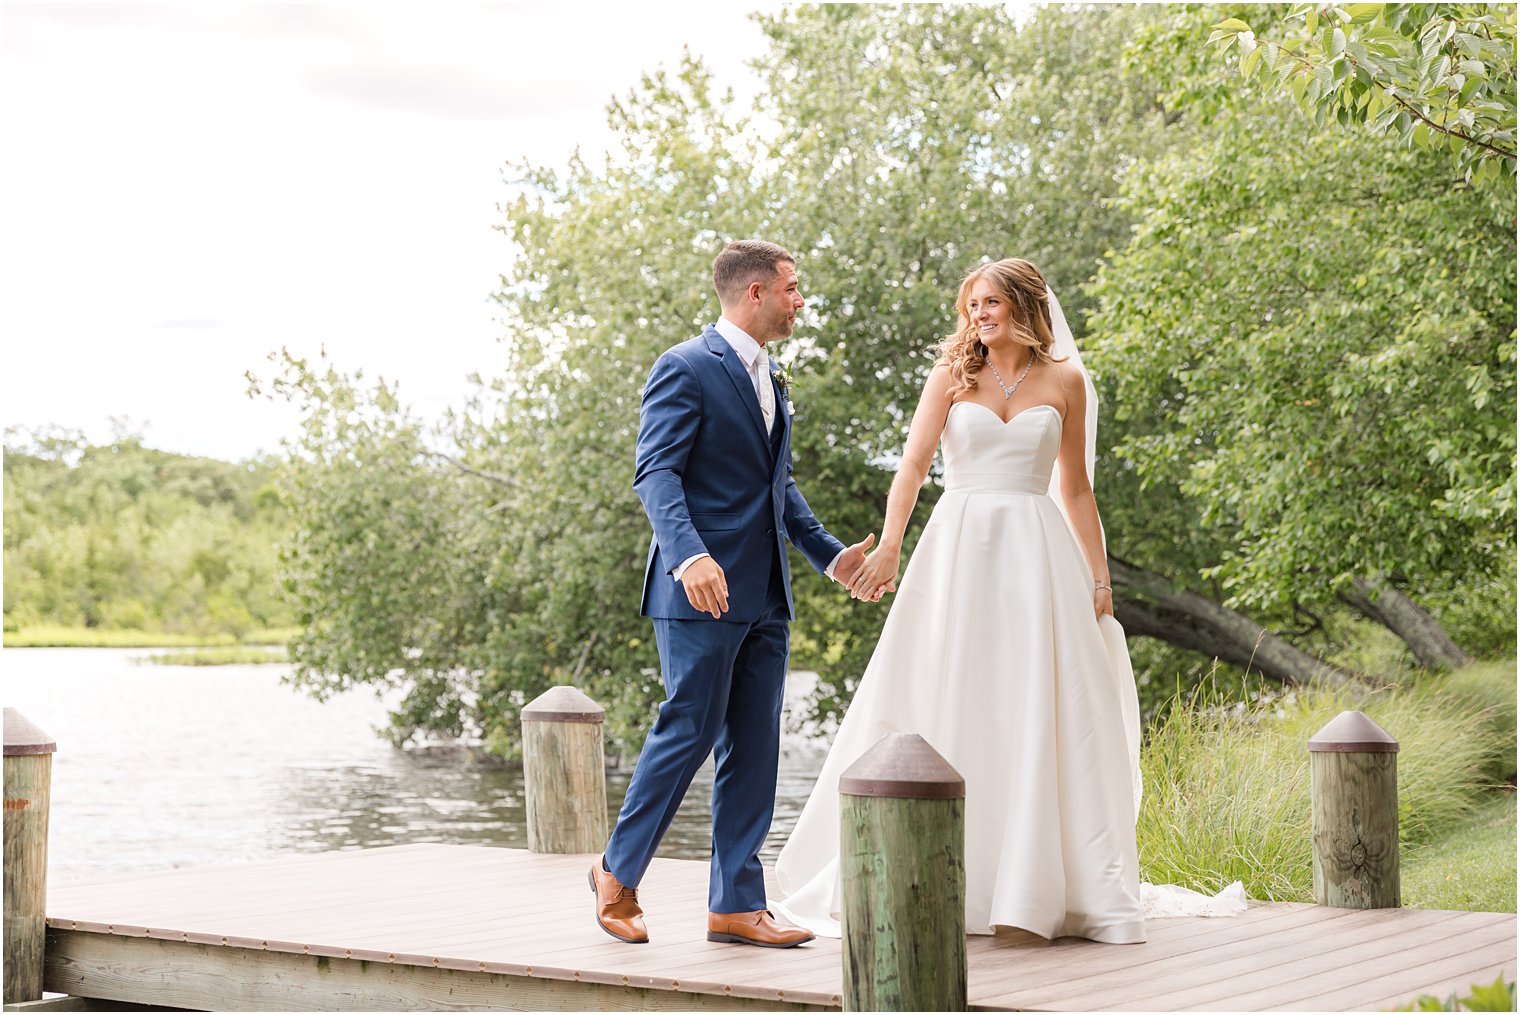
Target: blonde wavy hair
1023	287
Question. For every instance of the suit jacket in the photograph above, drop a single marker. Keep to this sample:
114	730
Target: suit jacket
712	480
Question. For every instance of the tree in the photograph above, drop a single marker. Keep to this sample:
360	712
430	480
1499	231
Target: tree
1328	327
123	536
388	565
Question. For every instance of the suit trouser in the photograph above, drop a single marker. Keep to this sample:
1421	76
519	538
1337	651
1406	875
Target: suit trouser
723	685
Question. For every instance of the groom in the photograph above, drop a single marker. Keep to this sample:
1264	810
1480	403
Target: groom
714	472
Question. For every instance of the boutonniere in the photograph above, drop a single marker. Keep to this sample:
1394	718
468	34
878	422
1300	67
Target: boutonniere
783	378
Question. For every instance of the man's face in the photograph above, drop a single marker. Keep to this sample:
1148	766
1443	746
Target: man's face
779	303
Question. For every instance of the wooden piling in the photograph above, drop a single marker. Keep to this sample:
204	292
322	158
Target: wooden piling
1353	766
902	868
564	772
28	787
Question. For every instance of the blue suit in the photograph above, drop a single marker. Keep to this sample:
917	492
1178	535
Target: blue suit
712	480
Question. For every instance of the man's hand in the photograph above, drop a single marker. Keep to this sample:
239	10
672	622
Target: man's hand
850	559
706	586
847	569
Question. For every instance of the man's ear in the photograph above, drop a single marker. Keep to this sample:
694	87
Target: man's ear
756	291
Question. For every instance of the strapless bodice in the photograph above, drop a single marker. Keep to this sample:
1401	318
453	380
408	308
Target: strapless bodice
985	455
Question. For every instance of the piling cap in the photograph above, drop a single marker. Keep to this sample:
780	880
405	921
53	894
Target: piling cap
23	737
903	765
1353	732
563	704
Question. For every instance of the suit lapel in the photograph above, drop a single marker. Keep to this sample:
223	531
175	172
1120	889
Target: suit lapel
745	388
783	417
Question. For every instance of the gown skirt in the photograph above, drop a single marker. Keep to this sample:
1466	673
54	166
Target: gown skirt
992	653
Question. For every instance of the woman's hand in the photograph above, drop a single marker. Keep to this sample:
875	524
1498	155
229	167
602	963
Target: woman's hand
877	576
1103	601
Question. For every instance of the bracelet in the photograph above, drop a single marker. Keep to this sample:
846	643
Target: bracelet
1100	585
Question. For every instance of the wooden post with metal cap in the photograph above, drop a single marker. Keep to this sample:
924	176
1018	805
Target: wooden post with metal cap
1353	769
902	868
28	787
564	772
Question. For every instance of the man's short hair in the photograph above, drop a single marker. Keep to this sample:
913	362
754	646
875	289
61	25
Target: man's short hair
744	262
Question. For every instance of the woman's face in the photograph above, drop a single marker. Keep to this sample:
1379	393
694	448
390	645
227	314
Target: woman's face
990	314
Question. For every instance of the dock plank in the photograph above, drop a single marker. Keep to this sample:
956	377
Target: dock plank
1459	984
469	927
1403	971
1095	964
1284	953
1177	989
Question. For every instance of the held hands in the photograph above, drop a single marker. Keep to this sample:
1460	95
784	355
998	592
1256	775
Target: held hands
847	567
871	575
850	559
706	586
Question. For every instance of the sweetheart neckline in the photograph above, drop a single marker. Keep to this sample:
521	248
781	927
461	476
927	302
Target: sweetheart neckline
1005	422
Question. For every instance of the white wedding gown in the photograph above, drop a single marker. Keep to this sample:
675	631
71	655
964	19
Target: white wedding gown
993	655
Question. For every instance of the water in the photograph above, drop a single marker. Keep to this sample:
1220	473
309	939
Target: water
177	766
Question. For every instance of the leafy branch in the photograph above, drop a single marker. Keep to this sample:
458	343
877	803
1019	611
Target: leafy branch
1441	76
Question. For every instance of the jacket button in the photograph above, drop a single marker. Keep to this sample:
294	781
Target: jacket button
770	533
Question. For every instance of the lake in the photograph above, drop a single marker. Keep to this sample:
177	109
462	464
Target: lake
177	766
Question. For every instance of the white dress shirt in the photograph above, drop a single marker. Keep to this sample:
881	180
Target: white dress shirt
757	363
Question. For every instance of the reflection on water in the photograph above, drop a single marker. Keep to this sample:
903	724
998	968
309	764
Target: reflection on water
166	766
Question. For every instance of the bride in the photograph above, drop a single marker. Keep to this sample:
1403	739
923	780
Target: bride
1002	650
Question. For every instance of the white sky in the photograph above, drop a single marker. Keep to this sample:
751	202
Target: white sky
186	188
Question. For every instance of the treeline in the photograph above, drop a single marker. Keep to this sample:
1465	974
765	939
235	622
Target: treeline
124	537
1295	285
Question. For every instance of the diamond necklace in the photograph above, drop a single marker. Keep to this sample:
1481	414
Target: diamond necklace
1008	390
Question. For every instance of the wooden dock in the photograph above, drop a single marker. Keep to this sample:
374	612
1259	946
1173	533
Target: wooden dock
443	928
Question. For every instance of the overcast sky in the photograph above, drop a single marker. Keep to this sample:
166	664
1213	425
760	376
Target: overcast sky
185	188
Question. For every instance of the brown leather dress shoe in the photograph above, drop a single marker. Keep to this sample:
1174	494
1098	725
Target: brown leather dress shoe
757	928
617	907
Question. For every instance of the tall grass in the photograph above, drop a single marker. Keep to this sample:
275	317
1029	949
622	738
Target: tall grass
1227	788
226	655
63	636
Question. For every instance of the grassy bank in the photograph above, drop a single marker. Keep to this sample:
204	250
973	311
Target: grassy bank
231	655
1227	790
1473	868
58	636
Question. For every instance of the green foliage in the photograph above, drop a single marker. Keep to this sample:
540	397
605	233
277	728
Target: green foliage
1496	996
1166	676
1490	689
1479	610
1227	789
1310	337
1440	77
125	538
385	568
